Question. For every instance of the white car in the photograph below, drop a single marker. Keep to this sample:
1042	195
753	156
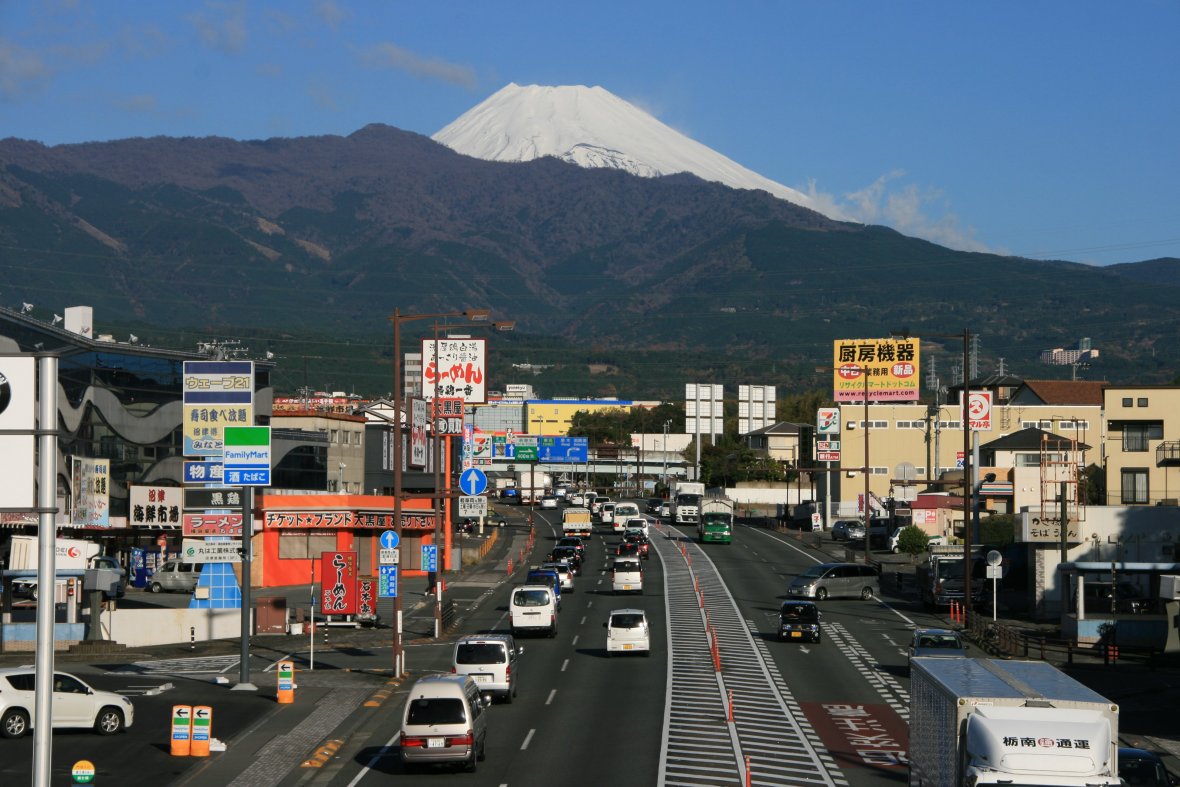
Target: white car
627	632
565	572
549	501
636	523
75	704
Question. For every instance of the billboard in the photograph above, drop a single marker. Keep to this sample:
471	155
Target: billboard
756	407
92	492
703	408
216	394
459	371
886	368
417	433
152	506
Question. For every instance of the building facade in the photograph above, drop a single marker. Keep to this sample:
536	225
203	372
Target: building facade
1141	445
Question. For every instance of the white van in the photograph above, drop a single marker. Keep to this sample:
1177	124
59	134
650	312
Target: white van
623	512
626	575
533	608
490	659
445	721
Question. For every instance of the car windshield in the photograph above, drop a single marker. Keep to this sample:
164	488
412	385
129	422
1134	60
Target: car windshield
530	598
443	710
627	620
815	571
939	641
1136	770
479	653
807	613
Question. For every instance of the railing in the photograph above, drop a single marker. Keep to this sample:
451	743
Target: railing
1007	642
1168	454
448	614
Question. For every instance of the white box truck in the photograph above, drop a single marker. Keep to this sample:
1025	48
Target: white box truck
686	501
983	721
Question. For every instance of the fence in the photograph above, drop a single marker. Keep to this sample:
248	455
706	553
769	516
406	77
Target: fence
1000	640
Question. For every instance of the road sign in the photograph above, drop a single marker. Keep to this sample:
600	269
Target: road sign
197	550
473	506
827	445
573	450
246	455
473	481
389	539
387	581
388	557
429	557
207	472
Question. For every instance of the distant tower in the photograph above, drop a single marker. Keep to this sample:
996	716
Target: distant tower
974	357
1000	368
932	374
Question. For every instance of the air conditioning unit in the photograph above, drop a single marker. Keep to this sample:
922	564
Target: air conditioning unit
1170	588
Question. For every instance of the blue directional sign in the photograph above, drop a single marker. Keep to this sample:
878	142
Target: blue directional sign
387	581
573	450
473	481
202	472
429	557
389	539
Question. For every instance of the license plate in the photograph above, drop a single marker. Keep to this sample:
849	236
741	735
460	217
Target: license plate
626	587
436	743
796	633
482	678
628	646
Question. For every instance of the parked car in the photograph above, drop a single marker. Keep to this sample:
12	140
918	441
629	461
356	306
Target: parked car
445	721
175	576
627	632
1143	767
75	704
938	643
491	660
799	620
830	580
848	530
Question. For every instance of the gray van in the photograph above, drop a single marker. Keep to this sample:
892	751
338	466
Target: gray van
831	580
175	576
445	721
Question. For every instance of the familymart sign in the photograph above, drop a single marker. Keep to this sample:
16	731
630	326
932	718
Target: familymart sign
246	456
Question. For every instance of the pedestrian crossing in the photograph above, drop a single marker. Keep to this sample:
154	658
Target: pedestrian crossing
198	665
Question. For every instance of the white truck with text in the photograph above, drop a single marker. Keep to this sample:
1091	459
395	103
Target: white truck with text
686	501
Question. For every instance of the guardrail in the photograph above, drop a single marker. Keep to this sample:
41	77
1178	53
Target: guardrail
1006	641
448	613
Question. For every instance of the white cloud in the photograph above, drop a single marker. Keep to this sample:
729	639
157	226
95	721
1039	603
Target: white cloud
331	13
395	57
21	70
223	27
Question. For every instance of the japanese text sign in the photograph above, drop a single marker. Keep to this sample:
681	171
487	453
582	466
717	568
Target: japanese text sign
155	505
458	371
887	369
338	583
215	394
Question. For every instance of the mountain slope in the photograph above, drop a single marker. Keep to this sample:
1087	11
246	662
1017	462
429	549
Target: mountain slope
591	127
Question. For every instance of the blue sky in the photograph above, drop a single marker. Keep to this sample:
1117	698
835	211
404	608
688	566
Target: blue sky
1046	129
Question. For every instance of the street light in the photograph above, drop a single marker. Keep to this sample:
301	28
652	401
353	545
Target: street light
397	318
340	476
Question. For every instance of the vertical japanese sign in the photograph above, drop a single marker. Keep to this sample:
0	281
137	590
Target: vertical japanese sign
891	366
460	370
417	433
92	492
366	598
216	394
338	583
979	410
155	505
18	412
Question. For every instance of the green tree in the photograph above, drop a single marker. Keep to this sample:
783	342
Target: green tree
912	541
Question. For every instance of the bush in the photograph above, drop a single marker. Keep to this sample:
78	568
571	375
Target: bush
912	540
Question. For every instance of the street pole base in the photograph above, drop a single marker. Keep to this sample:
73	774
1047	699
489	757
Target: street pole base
243	687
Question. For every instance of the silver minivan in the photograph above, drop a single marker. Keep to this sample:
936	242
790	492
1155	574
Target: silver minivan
831	580
445	721
175	576
490	659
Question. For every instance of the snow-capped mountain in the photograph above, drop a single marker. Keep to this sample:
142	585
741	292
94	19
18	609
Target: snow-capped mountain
591	127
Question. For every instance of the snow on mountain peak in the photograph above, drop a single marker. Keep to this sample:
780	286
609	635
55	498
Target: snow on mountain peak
592	127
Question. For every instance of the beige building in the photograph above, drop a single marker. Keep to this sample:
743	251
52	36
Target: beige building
346	444
1141	445
929	439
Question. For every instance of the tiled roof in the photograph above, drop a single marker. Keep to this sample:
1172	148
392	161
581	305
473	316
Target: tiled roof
1082	392
1031	440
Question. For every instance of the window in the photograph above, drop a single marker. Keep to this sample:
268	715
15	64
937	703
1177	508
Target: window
308	544
1134	486
1127	401
951	424
1137	435
1143	401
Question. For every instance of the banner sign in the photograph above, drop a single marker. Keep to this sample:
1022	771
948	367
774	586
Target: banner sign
890	367
417	433
155	505
216	394
204	498
338	583
18	452
979	410
459	370
448	415
212	524
92	494
366	598
367	520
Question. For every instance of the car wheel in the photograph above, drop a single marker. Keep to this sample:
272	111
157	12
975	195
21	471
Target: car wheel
866	593
483	750
109	721
821	594
553	631
156	587
33	593
508	695
817	638
469	766
14	724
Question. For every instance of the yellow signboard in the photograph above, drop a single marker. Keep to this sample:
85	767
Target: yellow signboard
887	369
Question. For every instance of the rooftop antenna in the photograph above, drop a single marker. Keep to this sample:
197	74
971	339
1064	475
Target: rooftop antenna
57	318
25	308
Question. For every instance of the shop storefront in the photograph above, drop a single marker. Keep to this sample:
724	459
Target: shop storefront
297	529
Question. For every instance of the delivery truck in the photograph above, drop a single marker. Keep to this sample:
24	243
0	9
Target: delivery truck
686	501
984	721
716	524
575	521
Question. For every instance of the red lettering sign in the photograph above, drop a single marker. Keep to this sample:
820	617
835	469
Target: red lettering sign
338	586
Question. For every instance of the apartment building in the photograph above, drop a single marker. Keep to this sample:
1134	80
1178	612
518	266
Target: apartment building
1141	445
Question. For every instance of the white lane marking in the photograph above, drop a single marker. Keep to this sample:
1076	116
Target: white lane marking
527	738
552	694
582	621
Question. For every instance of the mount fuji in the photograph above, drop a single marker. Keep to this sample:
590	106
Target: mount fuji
592	127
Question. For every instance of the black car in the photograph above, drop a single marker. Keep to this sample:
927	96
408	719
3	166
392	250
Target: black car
653	505
570	555
799	620
1139	766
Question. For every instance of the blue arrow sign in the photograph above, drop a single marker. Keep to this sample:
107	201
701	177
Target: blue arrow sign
473	481
389	539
